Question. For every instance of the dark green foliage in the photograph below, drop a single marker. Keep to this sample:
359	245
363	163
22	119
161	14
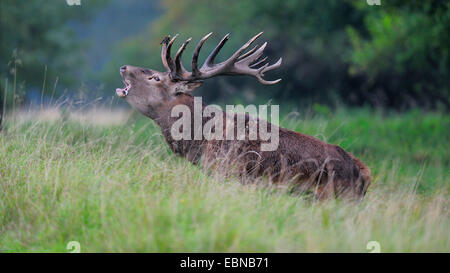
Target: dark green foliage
405	56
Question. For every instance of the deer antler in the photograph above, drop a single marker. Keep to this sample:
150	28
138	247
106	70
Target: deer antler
239	63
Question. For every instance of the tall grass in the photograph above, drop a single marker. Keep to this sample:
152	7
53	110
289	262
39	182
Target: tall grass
108	181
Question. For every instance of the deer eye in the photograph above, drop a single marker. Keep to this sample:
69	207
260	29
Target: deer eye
156	78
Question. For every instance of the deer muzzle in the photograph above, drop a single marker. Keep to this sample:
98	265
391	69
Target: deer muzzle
123	92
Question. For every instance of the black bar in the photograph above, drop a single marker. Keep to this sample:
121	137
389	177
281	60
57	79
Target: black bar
225	262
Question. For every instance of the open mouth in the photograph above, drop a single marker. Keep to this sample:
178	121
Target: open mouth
123	92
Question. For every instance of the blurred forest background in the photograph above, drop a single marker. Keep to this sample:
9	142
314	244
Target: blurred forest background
393	56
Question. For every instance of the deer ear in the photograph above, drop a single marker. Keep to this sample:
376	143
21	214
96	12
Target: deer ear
187	87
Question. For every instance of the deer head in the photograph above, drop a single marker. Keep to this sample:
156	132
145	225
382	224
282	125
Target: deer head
149	90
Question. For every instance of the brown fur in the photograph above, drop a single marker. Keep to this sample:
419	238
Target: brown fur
326	169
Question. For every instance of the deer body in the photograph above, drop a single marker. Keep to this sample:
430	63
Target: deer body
311	164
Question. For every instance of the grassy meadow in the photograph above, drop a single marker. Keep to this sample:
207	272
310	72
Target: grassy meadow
107	180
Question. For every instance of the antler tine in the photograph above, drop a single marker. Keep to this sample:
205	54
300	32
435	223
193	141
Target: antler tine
165	53
164	42
210	60
254	56
258	63
263	81
250	52
180	71
242	49
273	66
195	70
266	68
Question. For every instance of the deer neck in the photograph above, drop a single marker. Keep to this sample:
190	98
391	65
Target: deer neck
191	149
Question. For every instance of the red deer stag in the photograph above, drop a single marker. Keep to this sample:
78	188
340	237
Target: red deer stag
311	164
